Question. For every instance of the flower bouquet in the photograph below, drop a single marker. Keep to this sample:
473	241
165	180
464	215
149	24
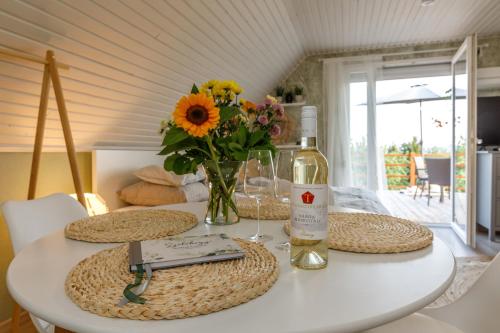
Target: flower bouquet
215	128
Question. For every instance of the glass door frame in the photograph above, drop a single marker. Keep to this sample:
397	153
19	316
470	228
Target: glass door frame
469	49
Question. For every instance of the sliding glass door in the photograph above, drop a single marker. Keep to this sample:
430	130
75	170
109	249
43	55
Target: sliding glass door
464	65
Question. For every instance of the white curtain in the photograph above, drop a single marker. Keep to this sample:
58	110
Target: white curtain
336	101
337	79
375	154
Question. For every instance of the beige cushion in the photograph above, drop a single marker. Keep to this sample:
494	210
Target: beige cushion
148	194
158	175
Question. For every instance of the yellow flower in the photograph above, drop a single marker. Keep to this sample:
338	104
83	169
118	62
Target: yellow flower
207	87
272	99
235	87
247	105
196	114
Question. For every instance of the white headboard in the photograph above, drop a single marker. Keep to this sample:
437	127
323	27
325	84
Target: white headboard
112	170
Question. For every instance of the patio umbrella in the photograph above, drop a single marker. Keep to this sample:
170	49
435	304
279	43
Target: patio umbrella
415	94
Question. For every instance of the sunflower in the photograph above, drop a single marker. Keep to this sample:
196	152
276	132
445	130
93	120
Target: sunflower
196	114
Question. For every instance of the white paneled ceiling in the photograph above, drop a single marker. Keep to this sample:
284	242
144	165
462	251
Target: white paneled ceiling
337	25
131	59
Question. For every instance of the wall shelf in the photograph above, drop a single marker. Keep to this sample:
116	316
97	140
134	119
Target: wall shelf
294	104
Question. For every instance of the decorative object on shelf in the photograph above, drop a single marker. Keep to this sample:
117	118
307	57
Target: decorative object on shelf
96	285
136	225
289	97
216	128
374	233
299	94
280	91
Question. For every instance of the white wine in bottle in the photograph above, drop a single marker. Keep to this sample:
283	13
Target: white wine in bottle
309	200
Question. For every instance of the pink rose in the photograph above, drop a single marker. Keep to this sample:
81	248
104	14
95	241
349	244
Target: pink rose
275	130
260	107
279	109
263	120
268	101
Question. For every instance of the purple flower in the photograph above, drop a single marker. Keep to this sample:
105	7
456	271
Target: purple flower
275	130
263	120
260	107
280	110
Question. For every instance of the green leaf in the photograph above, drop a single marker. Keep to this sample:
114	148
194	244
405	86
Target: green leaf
256	137
233	146
182	165
174	135
242	135
169	162
185	144
194	89
227	112
240	155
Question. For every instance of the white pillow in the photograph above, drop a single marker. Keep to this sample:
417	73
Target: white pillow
158	175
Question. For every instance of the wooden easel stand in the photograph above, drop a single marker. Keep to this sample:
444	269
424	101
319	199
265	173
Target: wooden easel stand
50	72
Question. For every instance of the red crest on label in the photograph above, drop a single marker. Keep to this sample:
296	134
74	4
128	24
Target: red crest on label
307	198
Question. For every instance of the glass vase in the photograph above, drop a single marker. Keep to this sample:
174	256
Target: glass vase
222	179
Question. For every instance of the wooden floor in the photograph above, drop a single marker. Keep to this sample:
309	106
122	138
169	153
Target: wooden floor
402	205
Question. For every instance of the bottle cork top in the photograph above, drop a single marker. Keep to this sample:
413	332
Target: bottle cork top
309	111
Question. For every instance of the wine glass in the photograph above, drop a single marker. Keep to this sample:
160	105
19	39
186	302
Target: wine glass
284	174
259	183
284	180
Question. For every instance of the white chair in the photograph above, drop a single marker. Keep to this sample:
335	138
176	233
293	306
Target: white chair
477	311
32	219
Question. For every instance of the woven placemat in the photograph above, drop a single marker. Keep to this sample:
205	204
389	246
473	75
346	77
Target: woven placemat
96	285
131	226
270	209
374	233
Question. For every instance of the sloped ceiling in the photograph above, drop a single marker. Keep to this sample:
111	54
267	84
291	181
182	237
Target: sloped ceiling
131	60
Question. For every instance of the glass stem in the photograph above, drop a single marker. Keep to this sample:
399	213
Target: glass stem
258	219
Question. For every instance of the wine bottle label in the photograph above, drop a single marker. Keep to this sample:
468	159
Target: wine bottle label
309	204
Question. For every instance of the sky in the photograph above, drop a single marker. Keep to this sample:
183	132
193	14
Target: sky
399	123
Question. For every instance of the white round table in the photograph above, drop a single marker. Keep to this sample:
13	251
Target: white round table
355	292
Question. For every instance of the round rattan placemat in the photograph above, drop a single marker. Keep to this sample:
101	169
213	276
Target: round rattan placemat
96	284
131	226
270	209
374	233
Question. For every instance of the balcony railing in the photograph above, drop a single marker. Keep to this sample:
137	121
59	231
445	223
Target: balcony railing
410	172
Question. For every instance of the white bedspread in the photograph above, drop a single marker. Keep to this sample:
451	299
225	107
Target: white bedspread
357	198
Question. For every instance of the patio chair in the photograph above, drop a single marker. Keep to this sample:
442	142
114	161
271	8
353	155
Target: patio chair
439	173
422	177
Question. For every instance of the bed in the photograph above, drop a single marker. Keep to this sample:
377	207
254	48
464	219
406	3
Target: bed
112	170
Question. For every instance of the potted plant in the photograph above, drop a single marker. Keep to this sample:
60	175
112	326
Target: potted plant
299	91
280	90
215	128
289	97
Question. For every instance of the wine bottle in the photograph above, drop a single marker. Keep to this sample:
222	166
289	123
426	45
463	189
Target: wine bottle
309	200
